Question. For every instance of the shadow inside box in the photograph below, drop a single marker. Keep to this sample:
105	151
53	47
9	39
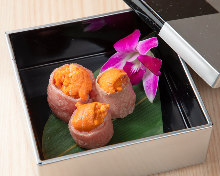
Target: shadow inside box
180	107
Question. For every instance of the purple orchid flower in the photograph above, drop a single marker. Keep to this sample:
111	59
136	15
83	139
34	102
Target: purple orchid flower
135	58
94	25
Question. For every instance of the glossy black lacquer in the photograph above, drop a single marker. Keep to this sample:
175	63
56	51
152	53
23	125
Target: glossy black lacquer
160	11
37	52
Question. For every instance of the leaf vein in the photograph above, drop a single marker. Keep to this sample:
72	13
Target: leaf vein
141	101
67	150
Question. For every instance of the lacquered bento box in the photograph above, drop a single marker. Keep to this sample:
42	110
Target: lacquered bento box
35	52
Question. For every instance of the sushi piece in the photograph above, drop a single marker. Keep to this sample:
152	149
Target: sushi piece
68	85
113	87
91	125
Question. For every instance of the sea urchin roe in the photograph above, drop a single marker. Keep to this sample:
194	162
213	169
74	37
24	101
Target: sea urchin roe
89	116
113	80
74	81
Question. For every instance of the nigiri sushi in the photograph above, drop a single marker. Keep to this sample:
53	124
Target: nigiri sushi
69	84
91	125
113	87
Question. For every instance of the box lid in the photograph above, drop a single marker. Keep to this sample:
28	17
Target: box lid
191	28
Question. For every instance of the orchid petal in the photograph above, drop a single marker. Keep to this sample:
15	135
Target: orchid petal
118	60
152	63
150	83
144	46
134	71
129	43
149	53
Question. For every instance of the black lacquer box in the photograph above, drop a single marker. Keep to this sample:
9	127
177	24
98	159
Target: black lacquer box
35	52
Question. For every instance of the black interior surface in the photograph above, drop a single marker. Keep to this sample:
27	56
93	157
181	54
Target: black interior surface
172	9
90	43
